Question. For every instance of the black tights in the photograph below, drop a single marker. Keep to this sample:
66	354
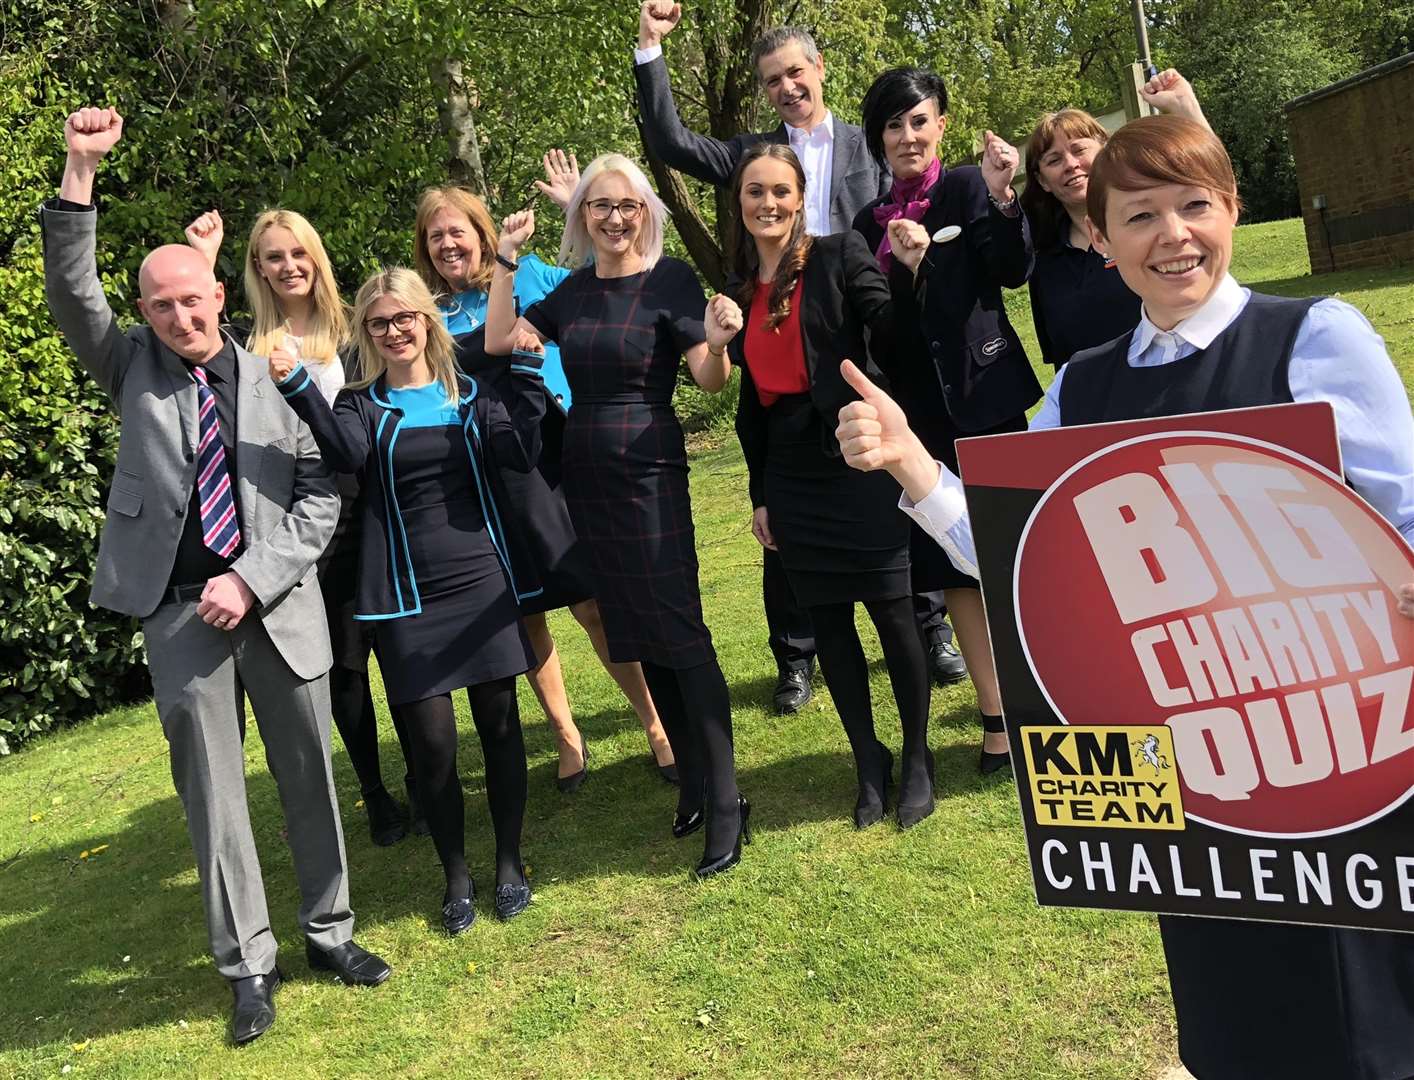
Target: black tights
847	675
696	710
432	736
357	722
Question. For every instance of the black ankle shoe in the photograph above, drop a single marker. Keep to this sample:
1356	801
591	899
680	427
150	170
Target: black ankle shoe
990	762
459	912
946	663
572	783
386	824
910	814
687	824
869	811
722	863
792	691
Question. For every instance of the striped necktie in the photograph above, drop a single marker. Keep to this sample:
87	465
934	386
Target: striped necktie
219	529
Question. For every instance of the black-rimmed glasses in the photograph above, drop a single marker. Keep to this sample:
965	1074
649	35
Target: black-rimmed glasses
403	321
600	209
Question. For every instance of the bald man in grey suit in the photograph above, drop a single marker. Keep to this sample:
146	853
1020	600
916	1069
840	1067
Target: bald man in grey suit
219	507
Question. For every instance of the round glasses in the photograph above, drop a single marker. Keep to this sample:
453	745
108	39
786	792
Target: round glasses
403	321
600	209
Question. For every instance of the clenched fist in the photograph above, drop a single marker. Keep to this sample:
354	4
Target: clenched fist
999	160
908	241
282	362
205	235
656	19
722	321
516	232
90	133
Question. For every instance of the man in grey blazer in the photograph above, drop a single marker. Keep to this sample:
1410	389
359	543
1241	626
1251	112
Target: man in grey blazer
219	508
841	178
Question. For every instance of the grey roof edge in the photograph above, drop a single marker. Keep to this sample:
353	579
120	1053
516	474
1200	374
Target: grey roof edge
1379	71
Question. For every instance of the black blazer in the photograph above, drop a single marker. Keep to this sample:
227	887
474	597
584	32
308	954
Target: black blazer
855	178
843	295
952	313
358	434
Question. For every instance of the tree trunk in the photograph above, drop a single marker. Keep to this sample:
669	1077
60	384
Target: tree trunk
701	247
454	110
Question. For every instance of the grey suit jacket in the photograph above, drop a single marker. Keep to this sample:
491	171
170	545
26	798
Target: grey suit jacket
855	178
288	502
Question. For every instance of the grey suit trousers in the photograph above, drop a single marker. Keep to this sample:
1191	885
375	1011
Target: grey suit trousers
200	677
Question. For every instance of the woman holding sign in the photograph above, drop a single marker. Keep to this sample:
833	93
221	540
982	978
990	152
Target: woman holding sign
1252	999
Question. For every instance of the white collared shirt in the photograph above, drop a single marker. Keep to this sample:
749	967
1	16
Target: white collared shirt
1336	357
816	151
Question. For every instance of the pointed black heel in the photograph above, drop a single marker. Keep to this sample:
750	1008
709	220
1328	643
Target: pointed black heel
989	763
867	811
722	863
910	814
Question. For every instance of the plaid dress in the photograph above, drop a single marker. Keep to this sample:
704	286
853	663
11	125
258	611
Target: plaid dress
625	467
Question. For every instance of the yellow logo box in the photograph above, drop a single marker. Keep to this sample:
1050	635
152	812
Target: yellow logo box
1103	776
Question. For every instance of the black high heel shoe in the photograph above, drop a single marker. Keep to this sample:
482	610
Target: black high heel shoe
572	783
722	863
990	762
687	824
866	811
910	814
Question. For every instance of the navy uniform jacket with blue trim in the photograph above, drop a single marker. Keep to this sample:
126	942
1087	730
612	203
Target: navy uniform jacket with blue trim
358	435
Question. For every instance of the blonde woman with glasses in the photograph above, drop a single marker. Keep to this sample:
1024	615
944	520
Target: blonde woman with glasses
624	322
295	304
441	565
454	251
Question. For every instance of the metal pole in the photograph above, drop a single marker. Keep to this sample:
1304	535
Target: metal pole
1141	37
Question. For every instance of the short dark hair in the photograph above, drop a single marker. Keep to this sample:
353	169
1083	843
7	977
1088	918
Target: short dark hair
896	91
779	38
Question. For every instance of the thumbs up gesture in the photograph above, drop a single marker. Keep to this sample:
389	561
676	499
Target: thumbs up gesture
874	434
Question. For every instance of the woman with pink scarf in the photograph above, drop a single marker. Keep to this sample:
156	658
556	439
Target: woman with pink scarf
958	368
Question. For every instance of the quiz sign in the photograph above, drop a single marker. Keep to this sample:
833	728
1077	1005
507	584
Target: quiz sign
1206	681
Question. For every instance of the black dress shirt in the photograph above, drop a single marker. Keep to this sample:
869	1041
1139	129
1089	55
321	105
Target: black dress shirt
196	562
1077	301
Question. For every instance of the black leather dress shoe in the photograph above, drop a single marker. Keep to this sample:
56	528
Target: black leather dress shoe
792	691
946	663
255	1006
353	964
386	824
687	824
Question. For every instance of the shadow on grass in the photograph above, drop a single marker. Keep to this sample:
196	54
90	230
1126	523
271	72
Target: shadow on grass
123	934
1337	281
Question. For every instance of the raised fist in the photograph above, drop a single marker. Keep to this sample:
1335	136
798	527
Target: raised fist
528	341
656	19
1170	92
999	159
91	133
282	362
722	320
205	235
908	241
516	232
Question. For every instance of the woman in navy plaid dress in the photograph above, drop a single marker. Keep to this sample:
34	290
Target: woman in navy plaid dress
623	323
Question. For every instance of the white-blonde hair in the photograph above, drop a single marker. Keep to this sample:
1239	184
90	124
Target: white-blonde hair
407	288
577	249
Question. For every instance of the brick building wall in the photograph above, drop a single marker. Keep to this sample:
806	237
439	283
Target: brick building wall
1353	143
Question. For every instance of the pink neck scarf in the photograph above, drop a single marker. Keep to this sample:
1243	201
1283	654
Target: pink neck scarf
906	204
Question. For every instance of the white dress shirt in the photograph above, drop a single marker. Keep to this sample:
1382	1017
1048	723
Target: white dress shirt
1337	357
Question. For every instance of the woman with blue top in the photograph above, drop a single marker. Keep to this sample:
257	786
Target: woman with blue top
454	253
1251	998
441	564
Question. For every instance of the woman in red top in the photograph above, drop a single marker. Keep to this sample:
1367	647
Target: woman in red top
808	302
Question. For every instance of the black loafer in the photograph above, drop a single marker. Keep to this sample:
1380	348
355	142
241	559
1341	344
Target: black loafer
254	1006
511	900
458	915
792	691
353	964
946	663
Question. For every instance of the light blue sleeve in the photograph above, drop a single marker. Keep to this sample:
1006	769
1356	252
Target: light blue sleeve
536	279
1338	357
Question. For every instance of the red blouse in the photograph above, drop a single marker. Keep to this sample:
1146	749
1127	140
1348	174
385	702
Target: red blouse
776	357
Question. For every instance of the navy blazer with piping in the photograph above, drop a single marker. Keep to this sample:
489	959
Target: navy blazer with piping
364	424
953	314
843	294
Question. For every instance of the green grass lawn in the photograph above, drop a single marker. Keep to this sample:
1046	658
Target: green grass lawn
827	953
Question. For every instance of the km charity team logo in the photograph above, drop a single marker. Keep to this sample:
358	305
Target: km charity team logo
1242	597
